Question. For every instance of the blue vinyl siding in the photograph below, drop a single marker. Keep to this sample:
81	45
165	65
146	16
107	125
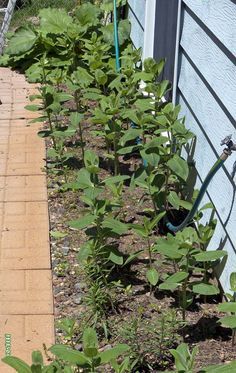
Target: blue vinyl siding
207	94
136	14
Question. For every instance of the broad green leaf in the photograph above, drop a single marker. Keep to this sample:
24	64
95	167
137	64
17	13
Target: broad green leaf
185	204
208	205
57	234
66	353
84	253
233	281
54	21
16	363
166	245
179	166
208	256
108	5
168	251
113	353
33	107
227	307
168	286
132	257
76	118
100	77
37	357
152	276
205	289
90	342
173	199
83	222
115	226
88	14
91	161
228	321
177	277
44	133
151	158
144	104
139	230
127	149
124	28
181	357
226	368
156	142
22	42
115	256
130	134
83	179
82	77
116	179
63	97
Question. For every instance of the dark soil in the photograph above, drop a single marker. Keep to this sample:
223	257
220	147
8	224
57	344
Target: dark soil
201	330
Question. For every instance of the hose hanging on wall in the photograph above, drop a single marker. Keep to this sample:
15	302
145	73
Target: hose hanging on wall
218	164
116	37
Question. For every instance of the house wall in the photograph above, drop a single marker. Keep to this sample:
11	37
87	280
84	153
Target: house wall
136	14
206	91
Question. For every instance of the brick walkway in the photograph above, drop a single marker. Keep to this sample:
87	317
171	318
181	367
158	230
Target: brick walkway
26	305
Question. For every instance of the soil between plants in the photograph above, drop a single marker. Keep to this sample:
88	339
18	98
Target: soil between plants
201	330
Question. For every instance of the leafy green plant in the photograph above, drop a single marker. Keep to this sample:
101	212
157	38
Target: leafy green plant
149	340
90	358
68	359
187	257
145	231
99	254
230	307
184	359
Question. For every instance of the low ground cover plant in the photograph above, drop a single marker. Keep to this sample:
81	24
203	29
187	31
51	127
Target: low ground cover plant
137	148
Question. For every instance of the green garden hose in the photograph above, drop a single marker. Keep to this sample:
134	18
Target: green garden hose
116	38
218	164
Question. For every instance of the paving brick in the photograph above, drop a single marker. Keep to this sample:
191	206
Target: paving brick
29	239
25	188
26	292
26	301
24	258
28	333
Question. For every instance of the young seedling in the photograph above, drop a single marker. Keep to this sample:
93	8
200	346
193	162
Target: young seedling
145	230
184	359
230	307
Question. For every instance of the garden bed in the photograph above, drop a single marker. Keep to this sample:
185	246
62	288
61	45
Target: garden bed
130	296
202	328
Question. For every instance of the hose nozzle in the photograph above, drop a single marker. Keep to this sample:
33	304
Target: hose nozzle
229	143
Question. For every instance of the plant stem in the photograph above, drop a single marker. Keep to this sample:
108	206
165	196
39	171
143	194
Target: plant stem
150	260
233	337
205	281
51	129
80	127
116	156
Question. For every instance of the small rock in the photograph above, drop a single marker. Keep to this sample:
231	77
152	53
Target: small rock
79	347
79	286
65	250
78	299
105	348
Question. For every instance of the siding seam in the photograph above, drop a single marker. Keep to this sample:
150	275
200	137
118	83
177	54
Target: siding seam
213	37
210	89
207	138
